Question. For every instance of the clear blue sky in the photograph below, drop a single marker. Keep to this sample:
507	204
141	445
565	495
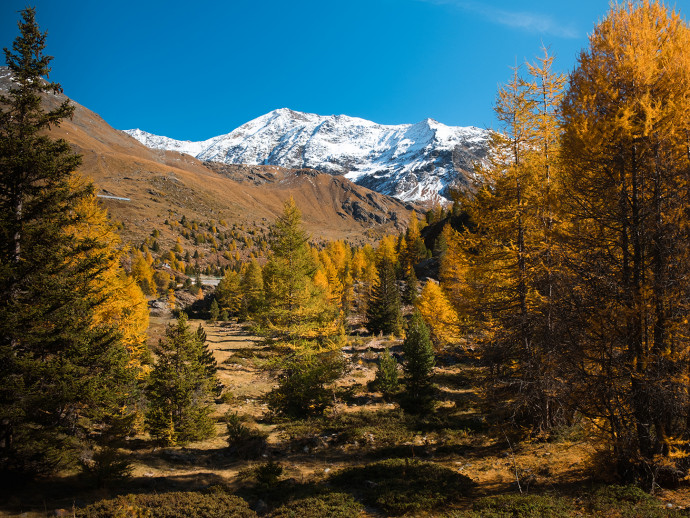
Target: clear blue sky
193	70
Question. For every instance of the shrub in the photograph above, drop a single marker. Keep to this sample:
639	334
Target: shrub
268	474
332	505
170	505
303	384
244	441
626	502
524	506
399	486
105	466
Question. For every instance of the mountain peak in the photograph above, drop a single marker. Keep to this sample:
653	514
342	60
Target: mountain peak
412	162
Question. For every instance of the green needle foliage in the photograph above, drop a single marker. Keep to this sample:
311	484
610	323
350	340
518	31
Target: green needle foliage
418	366
383	311
386	380
64	376
181	388
295	309
305	384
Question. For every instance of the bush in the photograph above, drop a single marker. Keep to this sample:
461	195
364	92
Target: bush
626	502
303	384
399	486
267	474
523	506
170	505
332	505
242	440
106	465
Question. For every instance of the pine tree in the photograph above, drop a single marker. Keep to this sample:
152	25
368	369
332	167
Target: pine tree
418	366
214	311
383	309
252	287
64	364
209	362
411	286
181	388
386	380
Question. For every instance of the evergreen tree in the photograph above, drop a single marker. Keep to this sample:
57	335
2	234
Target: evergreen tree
252	287
181	387
383	309
305	384
64	365
411	286
418	366
214	311
209	362
386	380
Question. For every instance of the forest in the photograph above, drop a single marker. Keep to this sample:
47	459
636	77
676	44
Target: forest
521	351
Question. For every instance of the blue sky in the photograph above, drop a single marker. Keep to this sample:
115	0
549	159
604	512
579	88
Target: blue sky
193	70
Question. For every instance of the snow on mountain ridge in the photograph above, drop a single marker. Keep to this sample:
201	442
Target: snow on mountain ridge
413	162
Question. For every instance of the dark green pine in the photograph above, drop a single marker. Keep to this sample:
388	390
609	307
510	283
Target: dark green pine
181	388
418	366
61	377
383	310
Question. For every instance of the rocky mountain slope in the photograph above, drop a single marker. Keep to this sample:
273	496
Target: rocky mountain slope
412	162
149	186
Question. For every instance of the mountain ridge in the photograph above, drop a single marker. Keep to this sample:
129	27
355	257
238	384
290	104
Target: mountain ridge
419	162
144	187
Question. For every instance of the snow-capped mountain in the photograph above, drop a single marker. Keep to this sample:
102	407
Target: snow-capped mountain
412	162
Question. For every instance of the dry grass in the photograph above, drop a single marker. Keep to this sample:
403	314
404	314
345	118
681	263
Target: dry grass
358	430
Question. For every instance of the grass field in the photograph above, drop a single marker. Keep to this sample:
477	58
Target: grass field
314	457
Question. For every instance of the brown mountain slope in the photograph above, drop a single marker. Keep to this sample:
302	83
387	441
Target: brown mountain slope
166	185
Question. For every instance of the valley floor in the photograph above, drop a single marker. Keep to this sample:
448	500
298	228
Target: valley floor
361	429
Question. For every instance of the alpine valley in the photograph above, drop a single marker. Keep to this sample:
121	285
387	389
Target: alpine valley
143	187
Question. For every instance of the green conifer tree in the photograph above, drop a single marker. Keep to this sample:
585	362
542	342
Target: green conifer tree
181	388
63	374
214	311
386	380
252	287
411	286
383	310
418	366
294	309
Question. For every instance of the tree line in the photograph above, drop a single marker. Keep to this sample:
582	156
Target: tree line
574	279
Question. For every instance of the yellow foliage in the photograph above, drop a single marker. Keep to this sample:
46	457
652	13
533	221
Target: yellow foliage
438	313
121	302
387	249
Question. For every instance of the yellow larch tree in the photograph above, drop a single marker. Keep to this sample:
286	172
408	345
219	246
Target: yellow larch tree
626	115
439	315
